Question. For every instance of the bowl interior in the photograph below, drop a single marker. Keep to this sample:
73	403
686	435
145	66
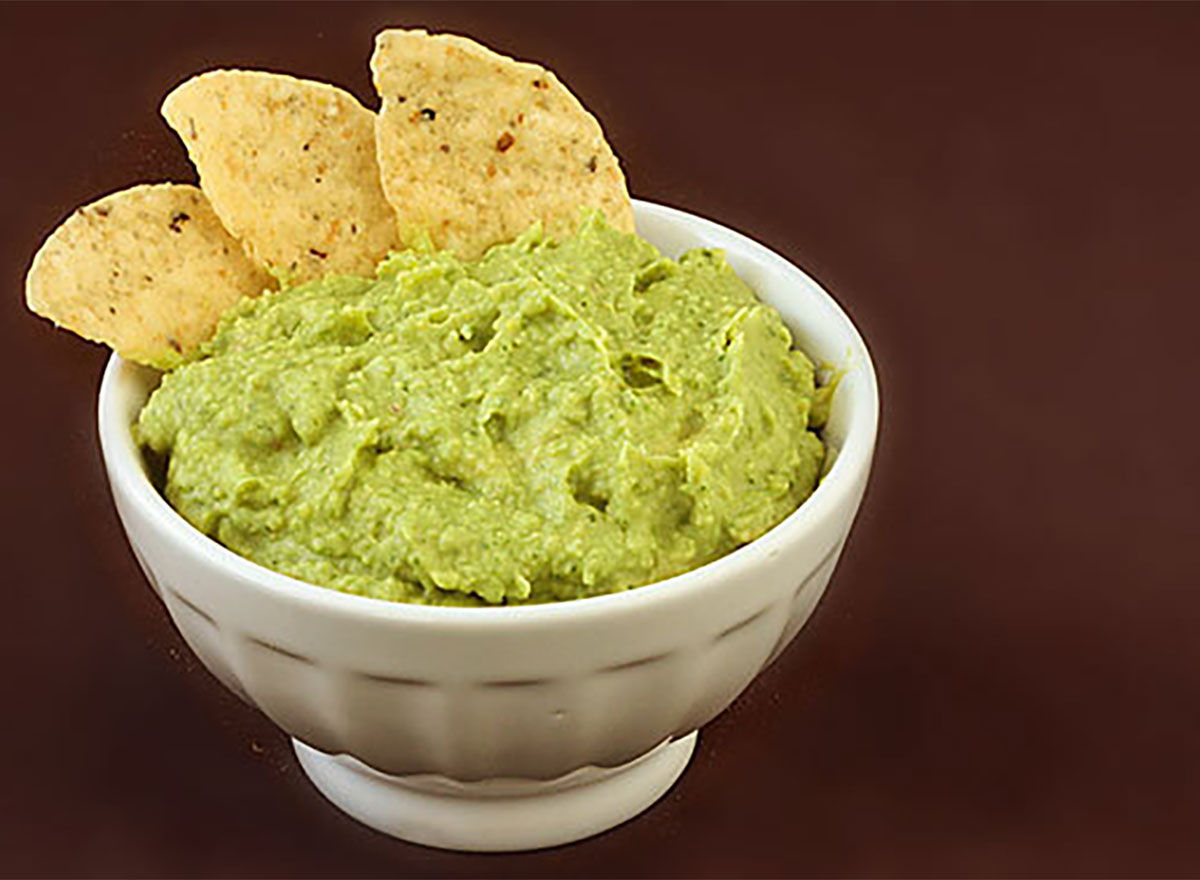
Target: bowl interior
817	323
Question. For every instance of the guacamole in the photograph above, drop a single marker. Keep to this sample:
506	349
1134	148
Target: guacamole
559	419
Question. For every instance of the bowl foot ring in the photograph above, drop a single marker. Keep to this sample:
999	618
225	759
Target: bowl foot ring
496	815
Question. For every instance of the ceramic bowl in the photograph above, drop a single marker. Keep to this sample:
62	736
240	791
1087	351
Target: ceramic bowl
515	727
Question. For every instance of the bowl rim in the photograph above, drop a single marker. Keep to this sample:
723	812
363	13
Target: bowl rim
126	470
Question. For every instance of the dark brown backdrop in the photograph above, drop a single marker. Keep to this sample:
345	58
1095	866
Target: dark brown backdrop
1004	678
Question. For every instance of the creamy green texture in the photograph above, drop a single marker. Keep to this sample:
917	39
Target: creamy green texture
556	420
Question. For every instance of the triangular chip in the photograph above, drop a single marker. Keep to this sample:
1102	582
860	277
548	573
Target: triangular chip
289	166
474	147
147	270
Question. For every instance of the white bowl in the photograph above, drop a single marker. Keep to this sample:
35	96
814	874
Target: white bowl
514	727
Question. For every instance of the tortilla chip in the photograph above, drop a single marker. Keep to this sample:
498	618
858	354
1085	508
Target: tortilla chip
474	147
289	166
147	270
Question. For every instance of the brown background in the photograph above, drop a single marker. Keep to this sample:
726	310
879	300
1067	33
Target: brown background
1004	678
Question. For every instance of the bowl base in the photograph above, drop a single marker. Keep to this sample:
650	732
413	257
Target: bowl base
496	815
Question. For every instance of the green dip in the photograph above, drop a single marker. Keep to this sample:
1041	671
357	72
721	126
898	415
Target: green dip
557	420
